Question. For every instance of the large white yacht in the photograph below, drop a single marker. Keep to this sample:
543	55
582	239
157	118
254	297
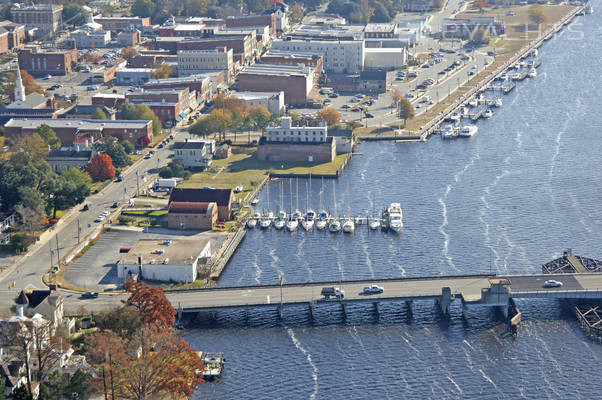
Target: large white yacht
468	131
395	217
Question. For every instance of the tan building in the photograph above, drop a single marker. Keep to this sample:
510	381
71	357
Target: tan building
122	23
12	36
195	62
46	17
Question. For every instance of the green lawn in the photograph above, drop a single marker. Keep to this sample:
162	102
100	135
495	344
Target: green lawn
243	168
155	218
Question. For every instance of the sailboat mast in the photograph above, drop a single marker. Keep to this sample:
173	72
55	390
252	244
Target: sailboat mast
297	182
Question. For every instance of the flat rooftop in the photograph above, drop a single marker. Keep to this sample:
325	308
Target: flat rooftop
276	70
254	95
178	251
292	54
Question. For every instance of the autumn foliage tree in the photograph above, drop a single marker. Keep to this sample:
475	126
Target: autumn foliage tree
128	53
151	303
101	167
405	110
161	71
329	115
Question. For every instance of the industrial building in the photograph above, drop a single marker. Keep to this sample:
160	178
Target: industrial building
296	81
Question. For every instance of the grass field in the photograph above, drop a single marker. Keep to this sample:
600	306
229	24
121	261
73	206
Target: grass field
155	219
243	168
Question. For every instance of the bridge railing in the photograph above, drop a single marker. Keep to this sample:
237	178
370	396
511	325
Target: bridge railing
568	294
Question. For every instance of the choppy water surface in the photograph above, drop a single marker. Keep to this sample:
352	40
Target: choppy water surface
508	200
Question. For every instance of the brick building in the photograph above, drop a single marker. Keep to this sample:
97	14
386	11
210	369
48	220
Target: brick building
252	21
122	23
312	60
169	104
12	36
192	215
46	17
296	81
74	130
109	100
197	84
39	63
222	197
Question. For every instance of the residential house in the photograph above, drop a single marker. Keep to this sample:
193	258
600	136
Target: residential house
193	153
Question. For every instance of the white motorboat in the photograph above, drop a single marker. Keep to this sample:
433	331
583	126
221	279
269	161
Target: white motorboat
473	102
448	132
488	113
532	73
534	52
238	189
522	63
504	78
465	111
589	9
498	102
516	66
251	223
348	226
374	224
322	221
266	222
455	117
255	201
395	217
292	224
334	226
308	222
280	220
468	131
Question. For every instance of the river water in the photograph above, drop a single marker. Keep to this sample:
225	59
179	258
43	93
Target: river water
506	201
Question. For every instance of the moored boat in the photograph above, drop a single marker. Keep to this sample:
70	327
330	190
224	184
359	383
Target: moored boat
394	217
532	73
468	131
334	226
348	226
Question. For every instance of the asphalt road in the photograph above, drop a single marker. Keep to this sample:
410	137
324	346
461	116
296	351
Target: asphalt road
29	272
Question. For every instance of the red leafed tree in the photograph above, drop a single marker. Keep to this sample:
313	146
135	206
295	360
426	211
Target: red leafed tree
106	351
101	167
151	303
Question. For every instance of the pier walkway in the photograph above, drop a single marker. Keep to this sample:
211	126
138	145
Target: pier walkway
486	290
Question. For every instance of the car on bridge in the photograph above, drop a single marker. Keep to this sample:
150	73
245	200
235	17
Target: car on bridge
334	292
373	289
552	284
90	295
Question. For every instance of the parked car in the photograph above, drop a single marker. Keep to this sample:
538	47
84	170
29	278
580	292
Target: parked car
373	289
86	207
552	284
119	179
100	218
47	77
369	115
333	95
409	96
115	205
345	106
90	295
413	74
92	88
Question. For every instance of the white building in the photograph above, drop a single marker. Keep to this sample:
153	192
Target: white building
165	261
273	101
194	153
195	62
340	56
384	57
133	76
286	132
91	39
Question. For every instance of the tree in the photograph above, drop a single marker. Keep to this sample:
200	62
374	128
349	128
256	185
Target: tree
128	53
101	167
99	114
107	352
2	388
30	149
260	116
221	120
54	387
73	186
128	146
295	116
47	345
143	8
296	13
165	172
140	112
20	242
397	96
124	321
74	14
537	14
29	83
49	136
151	303
161	71
329	115
78	384
111	146
21	393
380	13
405	110
203	127
480	36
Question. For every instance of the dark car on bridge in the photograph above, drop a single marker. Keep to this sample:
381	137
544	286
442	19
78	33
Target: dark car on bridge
90	295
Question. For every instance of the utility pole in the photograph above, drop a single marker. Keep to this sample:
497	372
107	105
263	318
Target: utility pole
137	185
78	231
50	248
58	253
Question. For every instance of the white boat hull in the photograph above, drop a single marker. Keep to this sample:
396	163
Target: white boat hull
321	225
374	225
292	226
334	228
279	225
265	223
251	224
348	227
396	228
307	225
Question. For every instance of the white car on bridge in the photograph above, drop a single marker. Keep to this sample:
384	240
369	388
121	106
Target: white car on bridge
374	289
552	284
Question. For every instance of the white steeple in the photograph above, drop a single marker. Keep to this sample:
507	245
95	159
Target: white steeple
19	89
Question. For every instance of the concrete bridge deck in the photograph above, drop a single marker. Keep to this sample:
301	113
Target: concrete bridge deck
490	290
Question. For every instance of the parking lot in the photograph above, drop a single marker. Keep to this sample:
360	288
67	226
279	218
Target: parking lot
97	270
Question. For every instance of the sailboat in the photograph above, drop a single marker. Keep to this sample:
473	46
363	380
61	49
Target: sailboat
308	221
266	221
281	219
322	221
335	225
348	224
293	219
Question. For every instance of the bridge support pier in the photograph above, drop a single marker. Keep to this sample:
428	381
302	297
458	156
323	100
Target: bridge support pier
504	310
311	311
280	313
445	301
344	311
409	304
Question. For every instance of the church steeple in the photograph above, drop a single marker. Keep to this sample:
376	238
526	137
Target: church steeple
19	89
